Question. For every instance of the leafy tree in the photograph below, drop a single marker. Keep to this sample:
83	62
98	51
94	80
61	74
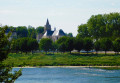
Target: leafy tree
40	29
54	46
45	44
32	44
88	44
78	44
95	25
113	24
27	44
83	31
97	46
69	44
21	31
5	75
61	44
105	44
15	45
116	46
31	32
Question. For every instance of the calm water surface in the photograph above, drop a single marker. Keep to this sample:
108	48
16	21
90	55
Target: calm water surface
68	75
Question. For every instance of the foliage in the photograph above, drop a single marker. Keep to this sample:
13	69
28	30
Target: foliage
31	32
106	25
5	75
40	29
62	44
45	44
88	44
69	44
78	44
83	31
105	44
58	59
97	45
21	31
116	45
25	45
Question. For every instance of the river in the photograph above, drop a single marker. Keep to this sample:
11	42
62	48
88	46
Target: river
68	75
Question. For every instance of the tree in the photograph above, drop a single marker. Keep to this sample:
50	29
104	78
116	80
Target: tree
54	47
61	44
78	44
25	44
88	44
97	46
40	29
69	44
15	45
5	75
45	44
95	24
31	32
116	46
21	31
83	31
105	44
32	44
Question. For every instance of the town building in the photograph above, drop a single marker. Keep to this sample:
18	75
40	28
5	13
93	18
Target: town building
48	33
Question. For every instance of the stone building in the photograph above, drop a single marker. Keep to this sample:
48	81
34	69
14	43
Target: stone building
48	33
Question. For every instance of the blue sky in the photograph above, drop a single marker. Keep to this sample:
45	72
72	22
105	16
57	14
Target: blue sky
62	14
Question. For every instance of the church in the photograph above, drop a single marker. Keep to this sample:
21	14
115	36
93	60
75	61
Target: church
48	33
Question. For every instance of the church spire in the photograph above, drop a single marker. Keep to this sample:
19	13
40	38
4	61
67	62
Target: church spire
47	23
47	26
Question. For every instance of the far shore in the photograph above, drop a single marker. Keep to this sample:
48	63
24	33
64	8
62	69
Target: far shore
69	67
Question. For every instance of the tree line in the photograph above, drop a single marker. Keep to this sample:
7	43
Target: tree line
100	33
32	32
65	44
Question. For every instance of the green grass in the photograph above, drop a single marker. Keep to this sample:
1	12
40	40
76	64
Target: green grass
58	59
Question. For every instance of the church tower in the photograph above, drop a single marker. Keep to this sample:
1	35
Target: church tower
47	26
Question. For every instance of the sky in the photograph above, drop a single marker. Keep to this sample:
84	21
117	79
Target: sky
62	14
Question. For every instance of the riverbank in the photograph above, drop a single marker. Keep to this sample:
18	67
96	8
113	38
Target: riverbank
70	67
62	60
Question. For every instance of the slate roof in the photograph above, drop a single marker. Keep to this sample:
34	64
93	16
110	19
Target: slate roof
48	33
59	33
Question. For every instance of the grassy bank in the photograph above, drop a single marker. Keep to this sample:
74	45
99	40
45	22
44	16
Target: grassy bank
39	59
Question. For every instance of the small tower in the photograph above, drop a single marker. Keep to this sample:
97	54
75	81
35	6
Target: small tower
47	26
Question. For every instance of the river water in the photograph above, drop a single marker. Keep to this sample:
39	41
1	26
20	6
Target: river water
68	75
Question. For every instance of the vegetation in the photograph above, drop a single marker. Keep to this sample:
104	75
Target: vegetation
5	75
24	45
45	44
100	33
58	59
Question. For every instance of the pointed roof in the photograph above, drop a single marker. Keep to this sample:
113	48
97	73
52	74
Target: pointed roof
47	23
59	33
